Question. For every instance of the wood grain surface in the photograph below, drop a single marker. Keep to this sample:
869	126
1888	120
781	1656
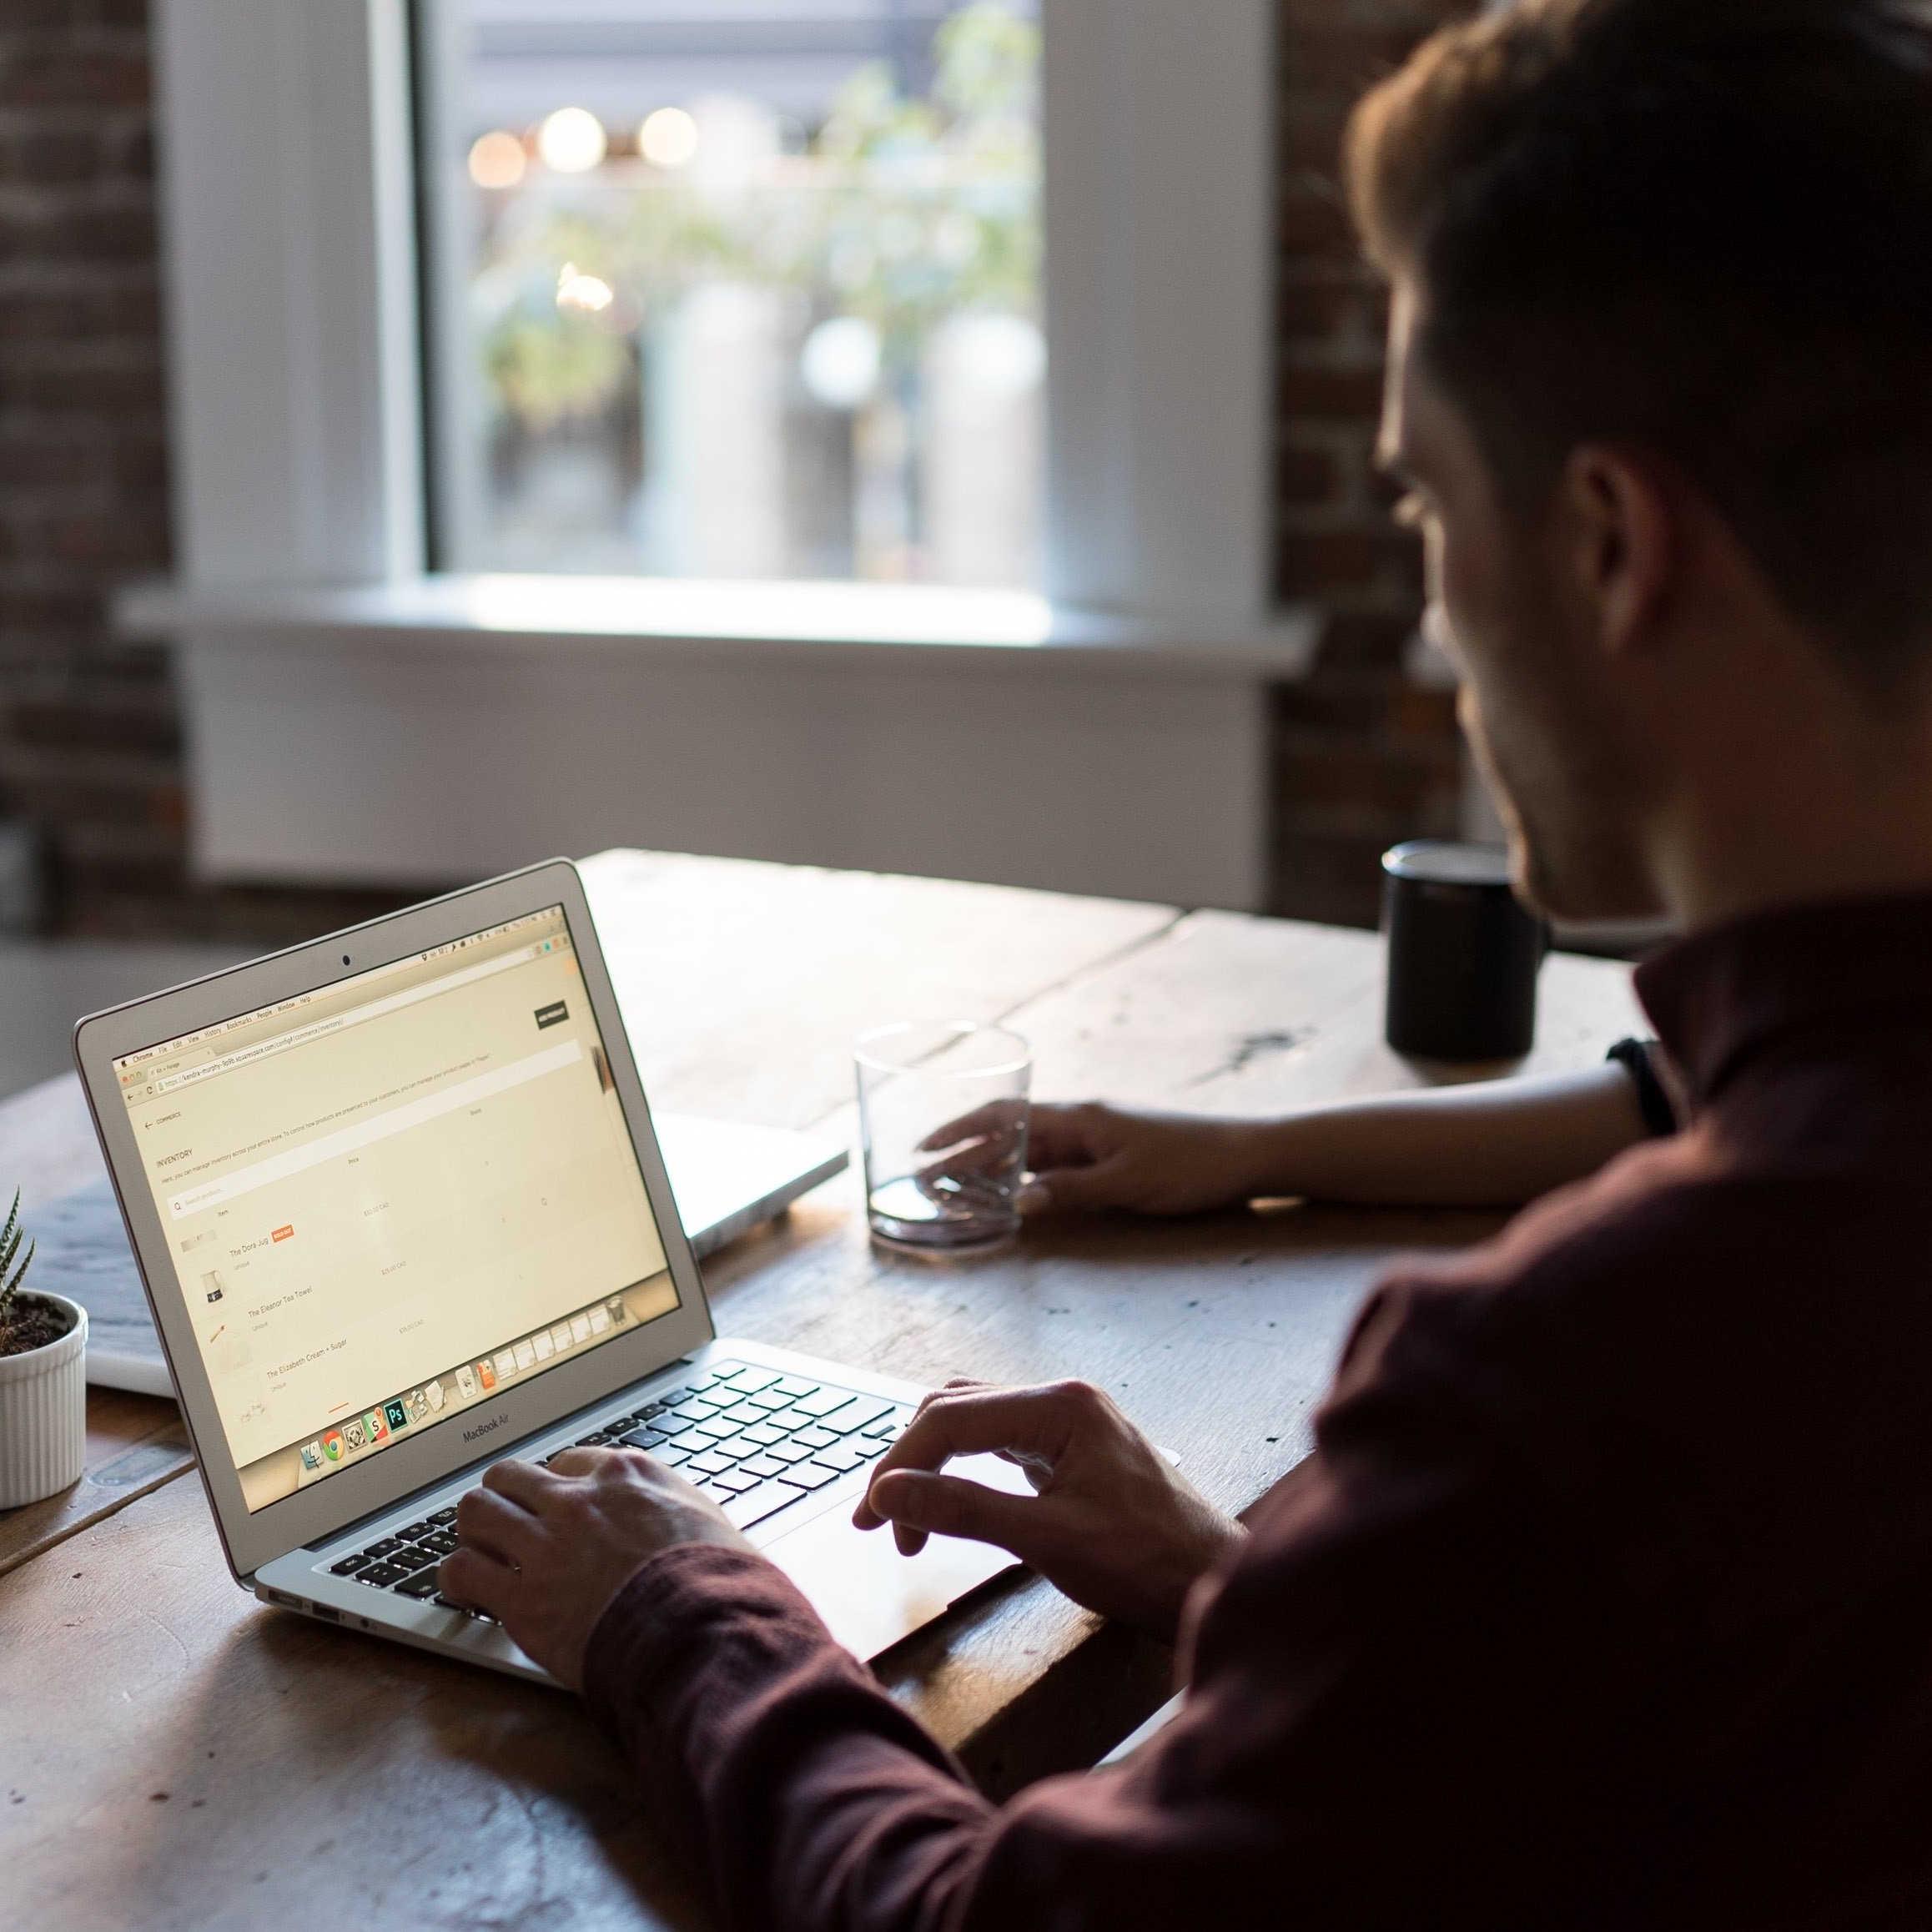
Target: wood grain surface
175	1758
300	1763
743	984
135	1443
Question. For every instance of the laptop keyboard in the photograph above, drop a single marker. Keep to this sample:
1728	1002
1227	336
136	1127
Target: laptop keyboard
753	1440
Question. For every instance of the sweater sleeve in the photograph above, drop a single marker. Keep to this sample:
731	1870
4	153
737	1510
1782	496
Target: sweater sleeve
1362	1667
819	1802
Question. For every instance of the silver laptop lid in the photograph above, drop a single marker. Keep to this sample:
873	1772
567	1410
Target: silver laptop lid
392	1194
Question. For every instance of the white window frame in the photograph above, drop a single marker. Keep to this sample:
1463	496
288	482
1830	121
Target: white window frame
289	226
287	197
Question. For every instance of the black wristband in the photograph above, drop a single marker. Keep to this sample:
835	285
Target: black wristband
1653	1101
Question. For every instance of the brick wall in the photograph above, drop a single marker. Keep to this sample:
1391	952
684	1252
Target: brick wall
90	748
1363	758
90	751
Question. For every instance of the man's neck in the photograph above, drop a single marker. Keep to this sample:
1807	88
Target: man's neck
1806	832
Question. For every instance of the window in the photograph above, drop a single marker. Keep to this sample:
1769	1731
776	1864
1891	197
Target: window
735	289
493	719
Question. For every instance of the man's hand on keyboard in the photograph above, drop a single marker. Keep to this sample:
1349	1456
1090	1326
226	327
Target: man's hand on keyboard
1113	1523
545	1550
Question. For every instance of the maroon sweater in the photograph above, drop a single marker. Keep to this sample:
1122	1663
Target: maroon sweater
1605	1598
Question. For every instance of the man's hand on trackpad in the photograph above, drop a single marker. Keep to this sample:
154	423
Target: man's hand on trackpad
1112	1523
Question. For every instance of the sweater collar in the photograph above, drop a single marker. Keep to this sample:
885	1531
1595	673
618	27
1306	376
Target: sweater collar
1718	996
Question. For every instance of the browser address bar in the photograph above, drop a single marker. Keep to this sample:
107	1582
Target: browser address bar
340	1023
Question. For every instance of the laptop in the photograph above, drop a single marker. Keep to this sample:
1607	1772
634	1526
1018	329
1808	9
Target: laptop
400	1212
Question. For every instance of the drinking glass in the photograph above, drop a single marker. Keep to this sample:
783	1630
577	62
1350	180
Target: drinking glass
943	1109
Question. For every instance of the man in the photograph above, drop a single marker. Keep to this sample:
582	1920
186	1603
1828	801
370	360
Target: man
1606	1597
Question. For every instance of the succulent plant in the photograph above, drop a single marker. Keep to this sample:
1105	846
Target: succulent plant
12	1271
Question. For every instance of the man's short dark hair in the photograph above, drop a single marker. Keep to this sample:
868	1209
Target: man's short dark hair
1702	227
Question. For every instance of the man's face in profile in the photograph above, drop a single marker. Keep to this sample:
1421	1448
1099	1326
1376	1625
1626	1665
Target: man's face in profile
1538	703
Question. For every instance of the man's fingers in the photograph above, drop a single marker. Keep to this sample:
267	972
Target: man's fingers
467	1575
969	1422
1037	1469
494	1523
1072	1164
988	1142
966	1127
996	1119
967	1163
1055	1136
594	1462
522	1482
1077	1189
865	1517
953	1385
1061	1137
948	1506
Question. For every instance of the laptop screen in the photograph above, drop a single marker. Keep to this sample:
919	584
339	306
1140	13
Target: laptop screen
388	1198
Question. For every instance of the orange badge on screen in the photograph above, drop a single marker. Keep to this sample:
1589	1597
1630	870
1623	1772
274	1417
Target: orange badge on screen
284	1234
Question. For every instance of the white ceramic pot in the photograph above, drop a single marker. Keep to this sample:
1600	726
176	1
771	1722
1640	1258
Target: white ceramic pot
43	1413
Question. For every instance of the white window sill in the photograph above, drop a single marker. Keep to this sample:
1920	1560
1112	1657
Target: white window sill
451	726
795	623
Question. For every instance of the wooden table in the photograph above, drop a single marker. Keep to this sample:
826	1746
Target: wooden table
174	1754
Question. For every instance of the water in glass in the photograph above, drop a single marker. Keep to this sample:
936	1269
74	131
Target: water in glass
944	1115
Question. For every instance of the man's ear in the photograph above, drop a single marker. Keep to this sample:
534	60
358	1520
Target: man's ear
1620	533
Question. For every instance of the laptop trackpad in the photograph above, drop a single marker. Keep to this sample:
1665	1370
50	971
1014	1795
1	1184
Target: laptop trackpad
868	1594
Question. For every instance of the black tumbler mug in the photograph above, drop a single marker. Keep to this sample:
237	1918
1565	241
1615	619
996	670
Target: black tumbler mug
1463	955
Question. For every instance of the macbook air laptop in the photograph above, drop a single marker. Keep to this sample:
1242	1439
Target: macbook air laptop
400	1212
727	1179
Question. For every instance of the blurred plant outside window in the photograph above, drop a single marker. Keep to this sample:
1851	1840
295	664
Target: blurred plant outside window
781	319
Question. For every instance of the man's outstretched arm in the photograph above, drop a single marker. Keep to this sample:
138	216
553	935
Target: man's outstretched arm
1491	1144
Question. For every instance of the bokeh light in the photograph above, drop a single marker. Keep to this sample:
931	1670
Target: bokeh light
572	141
668	138
497	159
1000	356
841	361
582	295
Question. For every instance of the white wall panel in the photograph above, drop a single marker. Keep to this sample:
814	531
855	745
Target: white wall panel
415	766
